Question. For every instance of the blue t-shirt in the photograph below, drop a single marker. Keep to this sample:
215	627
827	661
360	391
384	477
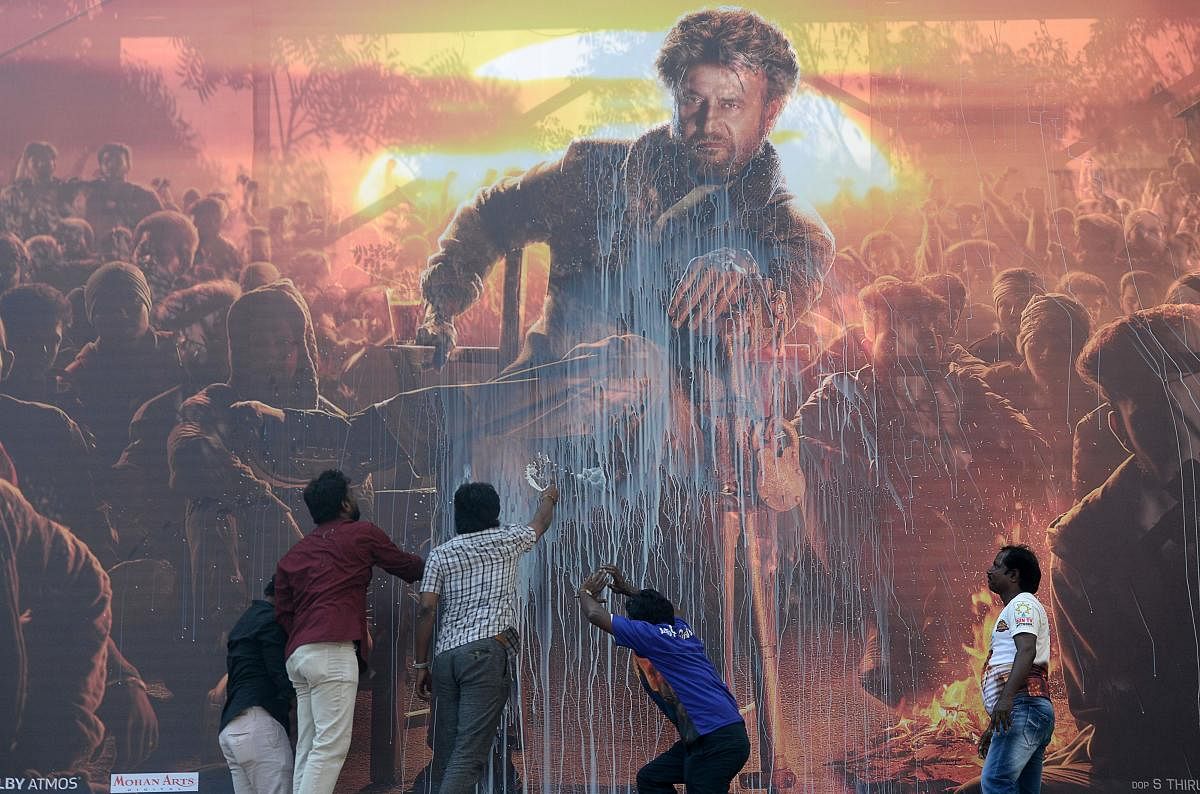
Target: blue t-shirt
690	692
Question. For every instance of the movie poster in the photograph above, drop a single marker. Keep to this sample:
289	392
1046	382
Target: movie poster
808	310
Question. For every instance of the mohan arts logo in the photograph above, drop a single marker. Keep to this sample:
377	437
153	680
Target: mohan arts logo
154	781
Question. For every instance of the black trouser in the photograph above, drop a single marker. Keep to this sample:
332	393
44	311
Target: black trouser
706	766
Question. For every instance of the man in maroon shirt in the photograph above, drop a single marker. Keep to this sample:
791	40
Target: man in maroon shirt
321	602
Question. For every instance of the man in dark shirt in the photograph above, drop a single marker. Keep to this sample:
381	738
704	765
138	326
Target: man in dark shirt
1125	559
112	200
1012	290
259	695
678	676
321	602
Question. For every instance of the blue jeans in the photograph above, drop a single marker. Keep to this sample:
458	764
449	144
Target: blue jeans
1014	759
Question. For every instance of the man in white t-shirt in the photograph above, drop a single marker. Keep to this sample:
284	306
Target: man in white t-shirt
1015	692
470	588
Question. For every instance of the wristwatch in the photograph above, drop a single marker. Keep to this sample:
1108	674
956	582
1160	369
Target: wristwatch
420	665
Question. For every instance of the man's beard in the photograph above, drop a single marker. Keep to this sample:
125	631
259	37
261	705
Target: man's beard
355	514
725	167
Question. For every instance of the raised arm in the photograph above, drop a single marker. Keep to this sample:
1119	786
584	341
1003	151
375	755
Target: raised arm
391	558
545	512
932	248
590	602
1037	232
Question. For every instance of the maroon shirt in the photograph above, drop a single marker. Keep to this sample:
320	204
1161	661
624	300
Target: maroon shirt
321	583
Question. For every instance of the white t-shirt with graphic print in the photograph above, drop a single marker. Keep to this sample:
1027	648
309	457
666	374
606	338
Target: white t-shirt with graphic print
1023	615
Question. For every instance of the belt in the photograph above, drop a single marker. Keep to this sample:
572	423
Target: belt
510	641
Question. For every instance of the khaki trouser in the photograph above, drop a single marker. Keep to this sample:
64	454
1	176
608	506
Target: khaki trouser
258	752
325	676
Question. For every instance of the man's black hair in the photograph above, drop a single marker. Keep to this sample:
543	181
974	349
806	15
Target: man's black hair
650	606
476	507
325	495
269	590
1022	560
32	305
115	148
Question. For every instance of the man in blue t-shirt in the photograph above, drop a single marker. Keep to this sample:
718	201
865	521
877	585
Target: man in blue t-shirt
676	673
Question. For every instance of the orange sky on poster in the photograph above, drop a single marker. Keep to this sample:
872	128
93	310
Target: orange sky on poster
826	143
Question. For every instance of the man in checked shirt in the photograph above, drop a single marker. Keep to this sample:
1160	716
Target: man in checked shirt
472	578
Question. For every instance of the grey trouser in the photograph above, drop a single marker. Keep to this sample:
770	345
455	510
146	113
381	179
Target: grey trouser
471	684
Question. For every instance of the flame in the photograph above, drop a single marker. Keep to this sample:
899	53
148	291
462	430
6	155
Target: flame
937	740
956	711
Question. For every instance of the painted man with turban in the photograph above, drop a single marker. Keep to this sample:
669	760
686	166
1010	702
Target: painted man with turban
1011	292
127	364
1045	386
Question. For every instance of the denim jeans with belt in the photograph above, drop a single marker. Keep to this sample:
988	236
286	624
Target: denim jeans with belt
1014	758
471	685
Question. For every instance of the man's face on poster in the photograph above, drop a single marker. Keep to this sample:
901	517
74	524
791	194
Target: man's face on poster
1008	308
120	318
203	349
114	165
41	165
722	116
1048	358
1161	425
1096	304
1132	299
157	252
901	339
275	347
887	260
1148	235
36	346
